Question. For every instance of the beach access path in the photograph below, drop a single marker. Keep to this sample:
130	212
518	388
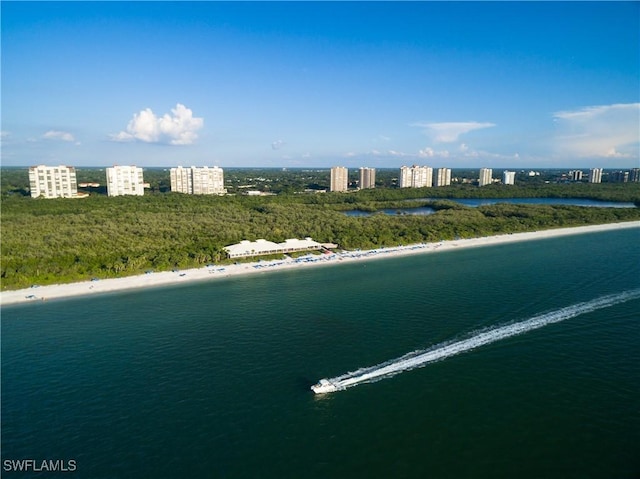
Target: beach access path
214	272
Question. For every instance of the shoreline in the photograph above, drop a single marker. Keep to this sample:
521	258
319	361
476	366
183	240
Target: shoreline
167	278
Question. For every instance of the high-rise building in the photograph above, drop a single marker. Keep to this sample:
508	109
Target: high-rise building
198	181
619	176
339	178
125	180
634	175
442	177
416	176
485	176
367	177
509	177
575	175
53	181
595	175
181	180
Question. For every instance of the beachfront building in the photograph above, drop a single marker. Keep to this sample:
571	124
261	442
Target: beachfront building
198	181
595	175
262	247
485	177
53	181
509	177
416	176
634	175
367	177
125	180
442	177
339	178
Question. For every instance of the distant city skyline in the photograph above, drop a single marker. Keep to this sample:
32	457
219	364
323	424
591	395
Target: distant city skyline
518	85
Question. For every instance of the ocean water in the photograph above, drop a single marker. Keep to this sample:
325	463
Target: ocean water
212	379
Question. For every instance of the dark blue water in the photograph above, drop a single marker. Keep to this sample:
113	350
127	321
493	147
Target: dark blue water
212	379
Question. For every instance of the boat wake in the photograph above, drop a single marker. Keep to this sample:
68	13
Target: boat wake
442	351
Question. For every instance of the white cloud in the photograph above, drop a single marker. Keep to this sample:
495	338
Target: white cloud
605	131
395	153
429	152
276	145
450	131
179	128
58	135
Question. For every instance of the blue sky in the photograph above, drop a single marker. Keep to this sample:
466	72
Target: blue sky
306	84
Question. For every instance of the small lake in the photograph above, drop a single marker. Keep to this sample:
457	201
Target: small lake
475	202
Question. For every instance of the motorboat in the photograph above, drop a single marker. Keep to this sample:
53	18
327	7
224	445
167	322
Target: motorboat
324	386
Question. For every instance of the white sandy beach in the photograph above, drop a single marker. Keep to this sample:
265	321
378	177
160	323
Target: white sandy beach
84	288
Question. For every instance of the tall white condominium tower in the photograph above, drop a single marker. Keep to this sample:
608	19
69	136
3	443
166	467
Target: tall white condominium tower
198	181
125	180
367	177
485	176
442	177
575	175
181	180
53	181
416	176
634	175
339	178
595	175
509	177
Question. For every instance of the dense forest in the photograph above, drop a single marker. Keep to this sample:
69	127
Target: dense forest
61	240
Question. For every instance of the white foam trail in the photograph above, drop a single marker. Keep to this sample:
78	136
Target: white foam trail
441	351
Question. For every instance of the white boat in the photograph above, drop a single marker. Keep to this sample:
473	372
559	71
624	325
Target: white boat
324	386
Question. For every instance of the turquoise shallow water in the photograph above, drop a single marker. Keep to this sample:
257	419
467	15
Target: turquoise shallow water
212	379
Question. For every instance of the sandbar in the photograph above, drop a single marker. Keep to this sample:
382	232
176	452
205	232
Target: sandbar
215	272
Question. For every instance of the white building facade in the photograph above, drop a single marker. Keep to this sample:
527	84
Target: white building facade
53	181
125	180
416	176
595	175
485	176
442	177
509	177
575	175
367	177
198	181
339	178
181	180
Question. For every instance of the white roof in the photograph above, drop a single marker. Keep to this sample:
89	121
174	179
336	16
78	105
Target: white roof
262	246
298	243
